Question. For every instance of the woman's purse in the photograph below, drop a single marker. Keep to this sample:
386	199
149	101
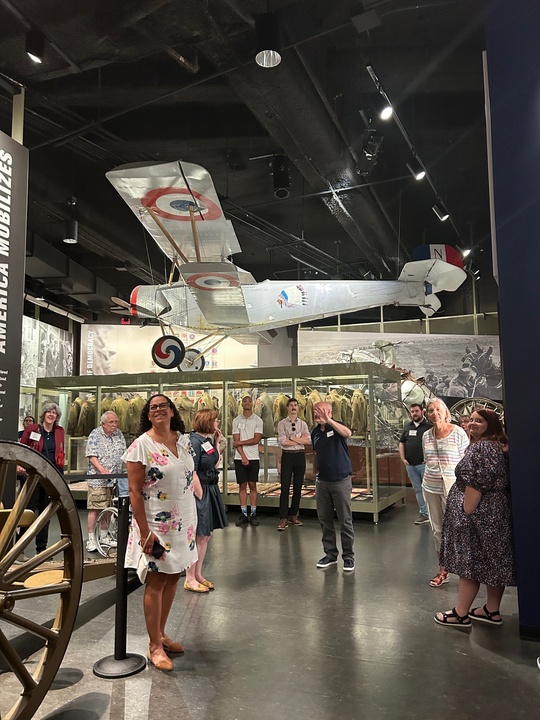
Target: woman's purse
142	565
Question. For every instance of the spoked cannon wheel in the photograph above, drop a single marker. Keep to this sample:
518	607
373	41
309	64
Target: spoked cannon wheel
51	582
467	405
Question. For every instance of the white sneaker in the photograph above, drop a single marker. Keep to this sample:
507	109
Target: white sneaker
107	541
91	545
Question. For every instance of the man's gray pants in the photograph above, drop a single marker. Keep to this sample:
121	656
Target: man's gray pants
336	496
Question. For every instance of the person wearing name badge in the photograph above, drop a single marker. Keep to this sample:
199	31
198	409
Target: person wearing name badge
104	450
207	443
333	486
247	433
293	436
47	437
444	445
412	456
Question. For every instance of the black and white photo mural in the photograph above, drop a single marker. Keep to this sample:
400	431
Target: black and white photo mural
452	366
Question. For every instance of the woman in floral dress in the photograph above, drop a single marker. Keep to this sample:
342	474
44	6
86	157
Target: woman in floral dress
161	541
477	529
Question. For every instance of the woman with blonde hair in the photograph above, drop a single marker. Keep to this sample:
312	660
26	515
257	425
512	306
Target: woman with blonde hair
444	445
207	443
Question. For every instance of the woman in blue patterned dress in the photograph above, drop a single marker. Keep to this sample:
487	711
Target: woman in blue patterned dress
477	529
207	442
161	540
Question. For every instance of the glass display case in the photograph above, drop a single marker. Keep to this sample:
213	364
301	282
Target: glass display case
365	396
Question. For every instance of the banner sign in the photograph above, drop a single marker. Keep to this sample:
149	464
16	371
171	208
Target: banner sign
13	206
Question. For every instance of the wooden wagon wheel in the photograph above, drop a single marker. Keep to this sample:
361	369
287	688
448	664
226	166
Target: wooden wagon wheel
25	682
467	405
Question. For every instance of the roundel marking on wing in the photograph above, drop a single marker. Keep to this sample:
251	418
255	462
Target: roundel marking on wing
173	203
212	281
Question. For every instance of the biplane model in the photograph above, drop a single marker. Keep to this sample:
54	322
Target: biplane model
178	205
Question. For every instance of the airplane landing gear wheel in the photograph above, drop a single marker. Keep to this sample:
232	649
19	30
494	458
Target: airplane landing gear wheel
190	363
25	595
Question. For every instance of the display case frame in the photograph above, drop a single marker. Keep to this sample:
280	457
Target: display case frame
378	475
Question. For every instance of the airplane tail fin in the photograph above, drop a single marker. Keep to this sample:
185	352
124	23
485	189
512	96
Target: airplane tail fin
439	267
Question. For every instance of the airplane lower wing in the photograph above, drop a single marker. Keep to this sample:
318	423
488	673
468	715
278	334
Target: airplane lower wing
218	291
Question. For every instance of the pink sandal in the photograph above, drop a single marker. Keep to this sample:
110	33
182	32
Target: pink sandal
441	578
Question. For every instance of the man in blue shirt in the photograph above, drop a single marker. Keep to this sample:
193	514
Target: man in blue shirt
333	486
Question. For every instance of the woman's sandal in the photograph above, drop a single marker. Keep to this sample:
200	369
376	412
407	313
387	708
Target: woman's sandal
171	646
208	584
163	664
197	589
487	618
450	618
441	578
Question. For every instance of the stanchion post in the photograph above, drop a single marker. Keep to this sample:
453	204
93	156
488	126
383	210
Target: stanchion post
121	664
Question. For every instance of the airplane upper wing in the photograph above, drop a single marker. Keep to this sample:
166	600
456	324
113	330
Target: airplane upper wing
162	194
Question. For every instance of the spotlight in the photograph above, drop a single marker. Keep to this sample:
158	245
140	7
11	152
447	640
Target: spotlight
466	253
267	41
282	185
387	112
441	214
71	234
416	170
35	46
371	143
39	290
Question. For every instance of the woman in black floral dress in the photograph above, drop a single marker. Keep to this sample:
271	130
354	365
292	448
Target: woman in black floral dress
477	529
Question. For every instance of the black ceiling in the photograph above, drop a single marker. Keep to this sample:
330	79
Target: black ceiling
128	81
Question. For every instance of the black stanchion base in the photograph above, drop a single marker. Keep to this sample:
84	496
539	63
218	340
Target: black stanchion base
109	667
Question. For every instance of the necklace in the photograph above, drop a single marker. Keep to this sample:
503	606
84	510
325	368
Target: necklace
169	442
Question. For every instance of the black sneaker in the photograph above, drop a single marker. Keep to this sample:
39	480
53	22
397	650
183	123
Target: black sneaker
254	520
421	519
326	562
242	520
348	564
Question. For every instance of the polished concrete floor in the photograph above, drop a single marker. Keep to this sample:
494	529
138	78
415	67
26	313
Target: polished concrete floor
280	639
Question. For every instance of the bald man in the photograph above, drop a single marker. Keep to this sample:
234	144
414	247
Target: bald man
333	486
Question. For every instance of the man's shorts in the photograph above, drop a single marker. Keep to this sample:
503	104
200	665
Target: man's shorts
246	473
98	498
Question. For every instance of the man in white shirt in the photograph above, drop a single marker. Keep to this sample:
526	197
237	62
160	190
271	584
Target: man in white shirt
293	436
104	449
247	433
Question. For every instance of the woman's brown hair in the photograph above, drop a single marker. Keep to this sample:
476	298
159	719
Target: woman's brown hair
204	420
494	430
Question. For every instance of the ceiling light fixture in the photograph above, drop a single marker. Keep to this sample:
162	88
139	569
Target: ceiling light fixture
466	252
267	41
54	308
39	290
387	112
35	46
71	233
280	171
416	169
443	214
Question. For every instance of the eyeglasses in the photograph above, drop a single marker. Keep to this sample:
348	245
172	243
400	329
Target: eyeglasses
161	406
293	427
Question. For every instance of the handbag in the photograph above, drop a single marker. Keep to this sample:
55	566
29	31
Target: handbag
142	565
448	476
